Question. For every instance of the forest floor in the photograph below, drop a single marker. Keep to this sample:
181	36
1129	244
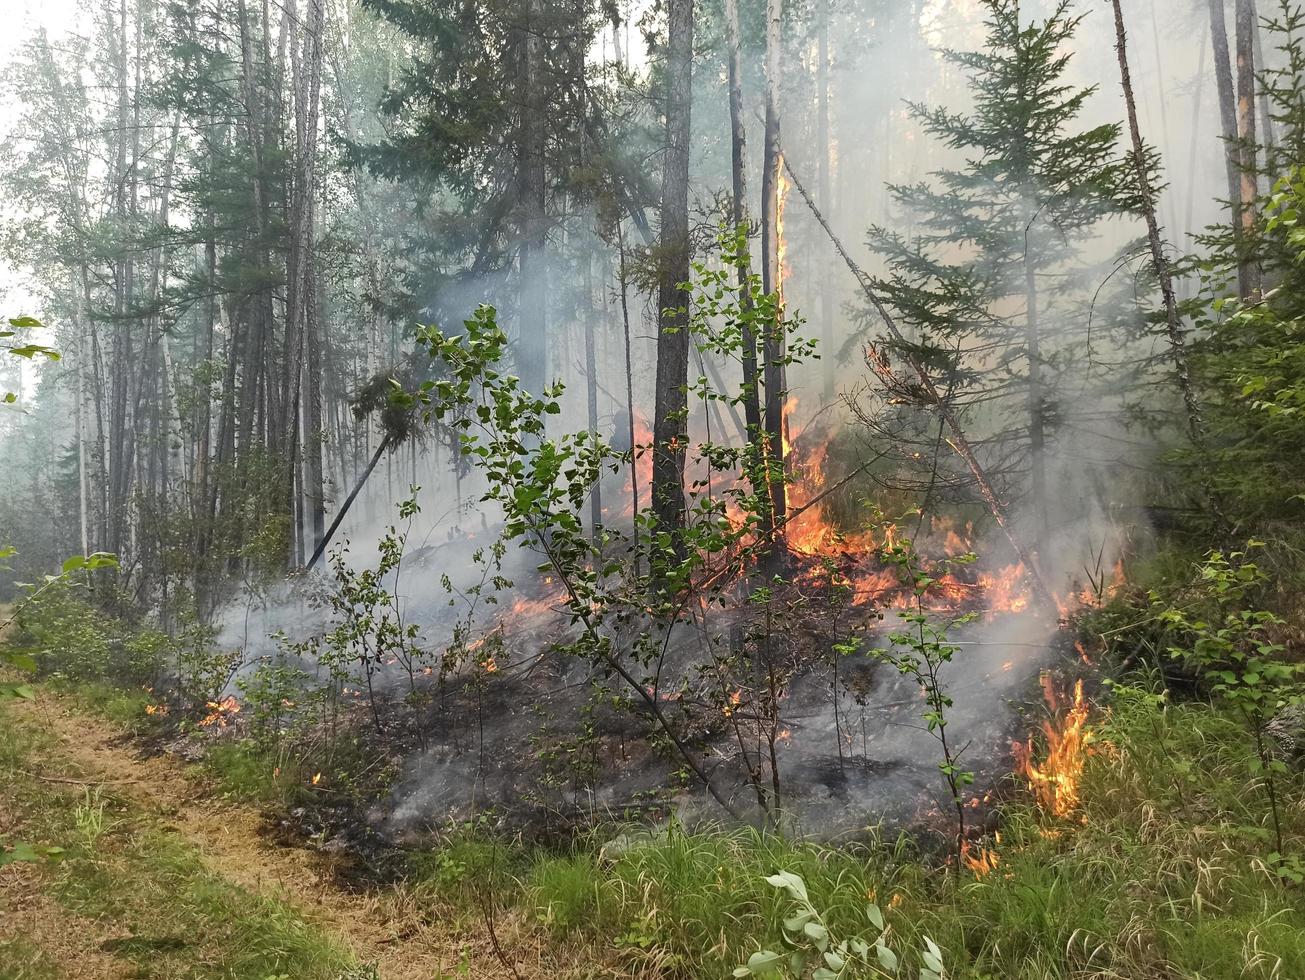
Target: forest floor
162	878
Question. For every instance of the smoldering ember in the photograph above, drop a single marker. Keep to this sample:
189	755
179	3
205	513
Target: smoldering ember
522	489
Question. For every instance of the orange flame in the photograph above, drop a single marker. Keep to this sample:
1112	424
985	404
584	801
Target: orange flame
221	712
781	246
1055	781
981	860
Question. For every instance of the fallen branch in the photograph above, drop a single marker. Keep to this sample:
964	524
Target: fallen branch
75	782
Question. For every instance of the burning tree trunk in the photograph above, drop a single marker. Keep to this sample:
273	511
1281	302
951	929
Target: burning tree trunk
1248	274
670	423
1177	347
771	270
933	398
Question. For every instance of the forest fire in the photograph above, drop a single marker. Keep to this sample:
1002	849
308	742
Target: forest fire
1055	780
221	713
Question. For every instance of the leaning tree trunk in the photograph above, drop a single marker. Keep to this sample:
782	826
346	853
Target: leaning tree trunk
1248	274
1173	325
670	423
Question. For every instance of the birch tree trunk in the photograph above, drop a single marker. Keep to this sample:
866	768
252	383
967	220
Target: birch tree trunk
533	347
823	182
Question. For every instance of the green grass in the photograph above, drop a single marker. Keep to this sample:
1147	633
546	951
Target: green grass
1161	872
22	959
182	921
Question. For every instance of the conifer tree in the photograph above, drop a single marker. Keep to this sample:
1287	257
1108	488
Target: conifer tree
986	281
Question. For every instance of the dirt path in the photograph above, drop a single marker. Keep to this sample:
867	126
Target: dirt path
406	940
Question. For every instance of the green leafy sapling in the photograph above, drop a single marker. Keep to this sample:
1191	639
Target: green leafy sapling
920	650
819	953
1231	648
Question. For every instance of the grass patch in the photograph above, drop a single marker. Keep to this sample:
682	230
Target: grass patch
21	959
182	921
1161	872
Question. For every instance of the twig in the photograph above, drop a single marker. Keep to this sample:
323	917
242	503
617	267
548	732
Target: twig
75	782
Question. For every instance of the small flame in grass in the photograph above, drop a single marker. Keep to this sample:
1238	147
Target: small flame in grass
491	665
221	712
980	860
1055	780
317	778
156	709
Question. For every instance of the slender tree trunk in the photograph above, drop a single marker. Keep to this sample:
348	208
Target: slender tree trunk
772	274
1173	323
533	347
629	393
1227	103
591	390
823	187
1266	110
670	423
1248	270
1037	421
739	216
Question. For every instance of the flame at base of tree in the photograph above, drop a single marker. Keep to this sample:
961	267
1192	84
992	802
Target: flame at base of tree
1055	780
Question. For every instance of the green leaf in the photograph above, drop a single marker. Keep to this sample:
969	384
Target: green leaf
763	960
887	958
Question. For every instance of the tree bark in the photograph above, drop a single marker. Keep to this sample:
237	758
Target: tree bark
823	187
739	216
533	346
670	423
1248	271
772	274
1227	103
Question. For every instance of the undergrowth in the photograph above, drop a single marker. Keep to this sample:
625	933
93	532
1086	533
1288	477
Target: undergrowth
1157	873
120	868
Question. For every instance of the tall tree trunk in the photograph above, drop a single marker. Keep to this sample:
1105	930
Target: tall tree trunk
823	187
739	216
1037	420
670	421
1173	324
773	341
1248	270
591	389
533	347
1227	104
